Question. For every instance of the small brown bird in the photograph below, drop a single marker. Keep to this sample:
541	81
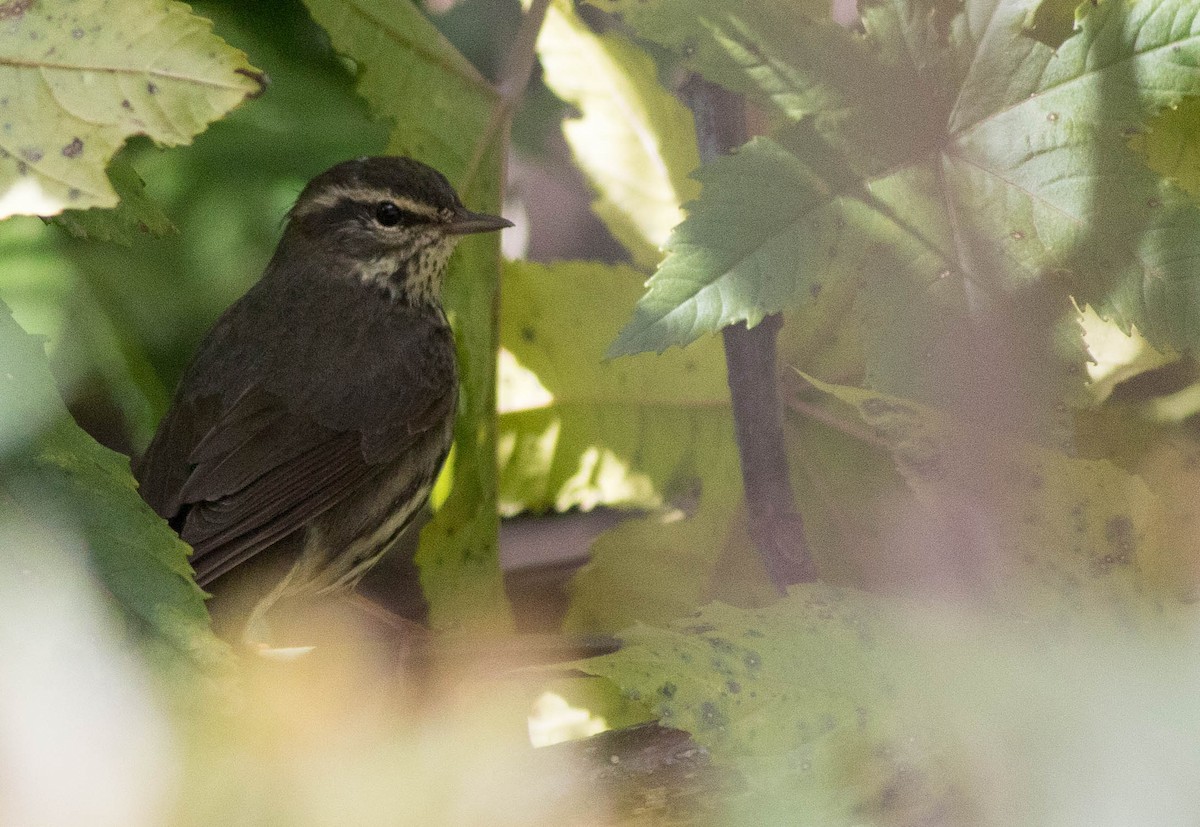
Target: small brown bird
311	424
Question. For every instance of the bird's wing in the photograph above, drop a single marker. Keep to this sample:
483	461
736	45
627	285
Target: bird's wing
257	473
235	472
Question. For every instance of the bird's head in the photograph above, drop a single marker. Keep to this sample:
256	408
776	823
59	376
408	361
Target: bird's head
390	222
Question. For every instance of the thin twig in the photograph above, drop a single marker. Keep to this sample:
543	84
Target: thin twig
513	80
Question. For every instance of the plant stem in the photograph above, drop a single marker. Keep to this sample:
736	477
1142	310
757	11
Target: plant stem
750	357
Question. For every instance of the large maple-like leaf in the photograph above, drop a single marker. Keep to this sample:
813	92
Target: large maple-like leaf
992	175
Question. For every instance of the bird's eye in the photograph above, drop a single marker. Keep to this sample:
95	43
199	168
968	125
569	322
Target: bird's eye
388	214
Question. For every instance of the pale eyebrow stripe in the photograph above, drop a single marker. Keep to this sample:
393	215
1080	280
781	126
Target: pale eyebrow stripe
366	195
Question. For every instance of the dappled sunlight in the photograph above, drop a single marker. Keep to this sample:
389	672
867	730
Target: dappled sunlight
517	387
1114	354
603	477
27	196
554	720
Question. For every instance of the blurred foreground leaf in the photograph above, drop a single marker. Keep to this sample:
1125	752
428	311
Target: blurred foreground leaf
1071	540
55	472
844	708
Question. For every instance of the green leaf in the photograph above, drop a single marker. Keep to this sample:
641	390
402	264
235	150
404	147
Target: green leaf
136	212
82	78
1070	540
763	225
439	105
806	698
662	566
603	415
839	707
649	431
459	556
633	139
54	472
970	230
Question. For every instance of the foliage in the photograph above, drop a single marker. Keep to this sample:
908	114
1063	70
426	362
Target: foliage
633	138
54	472
82	78
924	108
933	193
978	221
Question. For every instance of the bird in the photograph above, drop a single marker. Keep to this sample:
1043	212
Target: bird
308	429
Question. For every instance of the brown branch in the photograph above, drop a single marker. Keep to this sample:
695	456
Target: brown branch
750	356
647	774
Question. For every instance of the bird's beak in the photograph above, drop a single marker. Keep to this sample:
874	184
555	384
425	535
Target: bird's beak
476	222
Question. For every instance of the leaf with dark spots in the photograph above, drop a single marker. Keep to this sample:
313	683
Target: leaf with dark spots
1119	533
1045	521
114	69
14	9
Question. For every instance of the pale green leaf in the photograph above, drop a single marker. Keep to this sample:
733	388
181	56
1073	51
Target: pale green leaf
807	698
837	707
633	139
610	432
437	101
653	431
80	78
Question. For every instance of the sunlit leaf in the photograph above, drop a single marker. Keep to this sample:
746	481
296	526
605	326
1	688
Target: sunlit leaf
633	138
967	229
79	79
649	431
604	416
438	103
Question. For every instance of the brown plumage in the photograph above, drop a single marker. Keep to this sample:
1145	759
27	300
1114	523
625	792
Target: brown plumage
318	410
